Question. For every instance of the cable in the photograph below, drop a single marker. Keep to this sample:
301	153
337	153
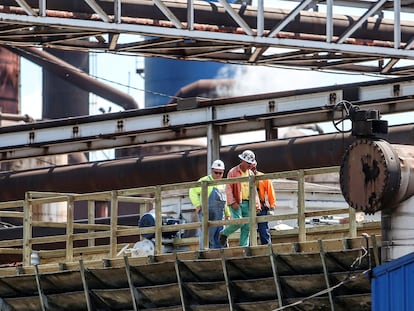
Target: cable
136	88
350	277
325	291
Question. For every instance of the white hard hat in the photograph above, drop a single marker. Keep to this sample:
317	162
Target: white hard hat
218	164
248	156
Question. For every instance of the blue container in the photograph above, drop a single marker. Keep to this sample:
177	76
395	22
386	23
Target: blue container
168	76
392	285
165	77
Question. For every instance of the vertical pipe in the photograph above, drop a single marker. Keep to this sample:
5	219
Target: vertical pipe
329	21
42	8
398	230
260	18
117	11
190	14
397	24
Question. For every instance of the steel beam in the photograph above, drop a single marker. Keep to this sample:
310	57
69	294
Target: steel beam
230	115
348	39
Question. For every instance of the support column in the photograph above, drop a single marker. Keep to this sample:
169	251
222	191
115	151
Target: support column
270	132
213	145
397	226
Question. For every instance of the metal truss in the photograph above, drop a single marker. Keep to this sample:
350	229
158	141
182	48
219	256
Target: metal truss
312	34
191	120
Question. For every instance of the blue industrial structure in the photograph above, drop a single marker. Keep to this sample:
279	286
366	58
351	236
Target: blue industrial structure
393	285
165	77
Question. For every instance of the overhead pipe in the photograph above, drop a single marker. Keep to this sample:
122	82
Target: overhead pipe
272	156
207	88
75	76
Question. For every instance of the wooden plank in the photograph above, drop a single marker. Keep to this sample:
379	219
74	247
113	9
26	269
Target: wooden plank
9	243
301	207
27	230
51	224
113	224
11	204
158	221
11	214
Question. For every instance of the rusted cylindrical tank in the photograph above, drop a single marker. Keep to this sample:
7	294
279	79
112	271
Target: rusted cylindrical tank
9	81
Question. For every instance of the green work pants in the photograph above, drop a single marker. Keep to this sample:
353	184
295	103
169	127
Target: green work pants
242	211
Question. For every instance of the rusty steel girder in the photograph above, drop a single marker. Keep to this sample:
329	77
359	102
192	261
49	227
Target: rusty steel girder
308	23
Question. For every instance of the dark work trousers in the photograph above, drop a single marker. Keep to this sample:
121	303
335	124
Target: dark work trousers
216	203
263	227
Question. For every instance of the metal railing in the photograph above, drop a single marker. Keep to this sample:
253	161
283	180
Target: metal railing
80	240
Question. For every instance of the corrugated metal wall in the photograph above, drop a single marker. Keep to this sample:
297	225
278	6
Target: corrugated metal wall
393	285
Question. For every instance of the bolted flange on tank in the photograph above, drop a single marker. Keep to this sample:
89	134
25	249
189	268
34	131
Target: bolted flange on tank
376	175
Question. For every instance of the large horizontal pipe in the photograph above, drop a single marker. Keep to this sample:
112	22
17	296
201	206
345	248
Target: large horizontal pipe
214	14
75	76
273	156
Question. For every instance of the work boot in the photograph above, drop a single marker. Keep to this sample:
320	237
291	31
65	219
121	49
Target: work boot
223	240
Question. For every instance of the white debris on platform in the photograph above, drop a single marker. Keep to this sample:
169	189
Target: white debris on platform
142	248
